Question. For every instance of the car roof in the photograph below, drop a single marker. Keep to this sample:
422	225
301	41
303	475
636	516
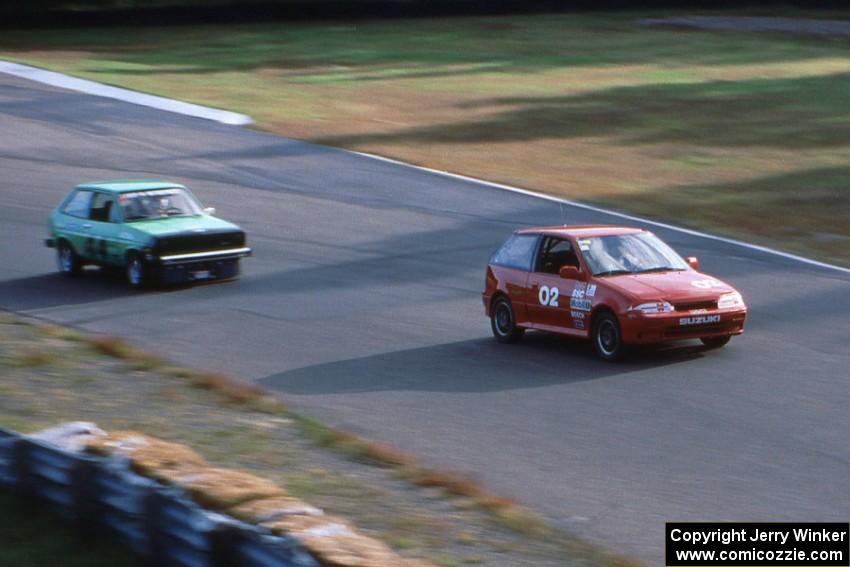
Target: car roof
581	230
127	185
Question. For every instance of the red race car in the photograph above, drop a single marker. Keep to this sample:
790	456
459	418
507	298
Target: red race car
617	286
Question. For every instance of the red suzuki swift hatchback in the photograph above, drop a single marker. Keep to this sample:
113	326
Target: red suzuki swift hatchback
614	285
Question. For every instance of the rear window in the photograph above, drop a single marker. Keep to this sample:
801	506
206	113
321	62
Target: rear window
78	206
517	252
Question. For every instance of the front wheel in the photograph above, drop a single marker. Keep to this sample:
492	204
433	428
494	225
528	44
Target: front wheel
503	322
67	260
716	342
137	271
607	339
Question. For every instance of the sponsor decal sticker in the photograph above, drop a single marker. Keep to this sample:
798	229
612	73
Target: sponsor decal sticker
584	244
578	300
591	290
699	320
579	290
706	284
579	324
576	314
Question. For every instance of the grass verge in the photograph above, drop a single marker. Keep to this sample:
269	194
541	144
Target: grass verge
691	126
446	518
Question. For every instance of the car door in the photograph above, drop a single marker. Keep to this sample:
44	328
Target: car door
549	295
101	244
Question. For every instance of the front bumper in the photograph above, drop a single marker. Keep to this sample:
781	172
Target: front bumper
198	266
210	256
645	329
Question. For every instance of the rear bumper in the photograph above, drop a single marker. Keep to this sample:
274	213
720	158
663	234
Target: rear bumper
646	329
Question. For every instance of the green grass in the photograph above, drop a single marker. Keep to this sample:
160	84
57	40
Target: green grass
30	536
590	106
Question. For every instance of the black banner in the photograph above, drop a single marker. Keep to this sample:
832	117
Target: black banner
769	544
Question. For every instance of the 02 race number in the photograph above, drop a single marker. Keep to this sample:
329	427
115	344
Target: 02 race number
548	296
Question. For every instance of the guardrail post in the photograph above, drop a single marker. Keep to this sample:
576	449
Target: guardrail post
85	503
8	466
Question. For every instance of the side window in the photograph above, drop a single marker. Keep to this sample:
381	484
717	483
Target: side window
78	206
101	207
516	252
555	253
115	213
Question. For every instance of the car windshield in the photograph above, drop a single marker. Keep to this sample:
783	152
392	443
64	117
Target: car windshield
629	254
157	204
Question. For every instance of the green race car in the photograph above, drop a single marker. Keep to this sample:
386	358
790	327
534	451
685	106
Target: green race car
155	230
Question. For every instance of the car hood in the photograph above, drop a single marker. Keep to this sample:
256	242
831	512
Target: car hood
174	225
685	285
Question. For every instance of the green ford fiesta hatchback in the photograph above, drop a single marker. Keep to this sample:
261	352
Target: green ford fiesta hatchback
156	231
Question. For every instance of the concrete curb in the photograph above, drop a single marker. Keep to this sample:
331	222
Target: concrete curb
99	89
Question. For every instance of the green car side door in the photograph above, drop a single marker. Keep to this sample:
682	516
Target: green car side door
104	243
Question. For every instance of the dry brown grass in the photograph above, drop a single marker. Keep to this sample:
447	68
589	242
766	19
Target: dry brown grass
115	347
146	454
231	389
454	484
219	489
386	454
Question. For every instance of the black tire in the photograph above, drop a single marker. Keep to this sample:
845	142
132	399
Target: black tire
607	338
137	271
716	342
503	322
67	260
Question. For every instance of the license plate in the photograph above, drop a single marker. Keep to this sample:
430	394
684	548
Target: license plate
201	275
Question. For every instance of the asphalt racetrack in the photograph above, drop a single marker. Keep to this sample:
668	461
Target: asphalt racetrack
362	306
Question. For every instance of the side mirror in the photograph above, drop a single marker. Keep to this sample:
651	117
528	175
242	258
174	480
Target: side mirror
209	210
693	262
571	273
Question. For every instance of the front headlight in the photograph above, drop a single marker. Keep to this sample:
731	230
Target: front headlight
733	299
652	307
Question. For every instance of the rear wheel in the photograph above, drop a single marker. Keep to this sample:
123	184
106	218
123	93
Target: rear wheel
607	339
716	342
503	322
67	260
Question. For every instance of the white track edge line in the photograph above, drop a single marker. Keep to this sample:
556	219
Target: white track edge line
134	97
617	214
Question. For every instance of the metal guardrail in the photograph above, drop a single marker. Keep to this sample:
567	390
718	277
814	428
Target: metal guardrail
8	477
158	522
